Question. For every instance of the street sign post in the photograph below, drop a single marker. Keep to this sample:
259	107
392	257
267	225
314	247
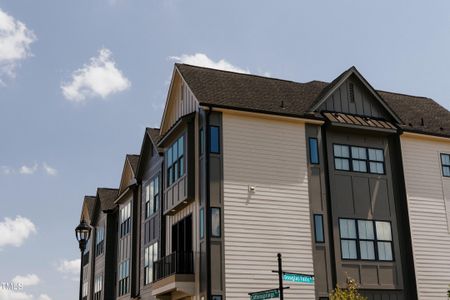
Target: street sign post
297	277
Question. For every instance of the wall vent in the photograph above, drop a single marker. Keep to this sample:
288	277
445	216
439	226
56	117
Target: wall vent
351	93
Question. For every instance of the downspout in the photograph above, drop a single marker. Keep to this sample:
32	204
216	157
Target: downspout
208	205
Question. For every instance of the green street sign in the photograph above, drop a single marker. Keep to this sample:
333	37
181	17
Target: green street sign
275	293
298	278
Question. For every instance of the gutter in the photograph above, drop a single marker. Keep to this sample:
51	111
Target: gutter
208	204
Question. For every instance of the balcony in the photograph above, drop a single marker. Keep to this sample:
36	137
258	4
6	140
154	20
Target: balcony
174	276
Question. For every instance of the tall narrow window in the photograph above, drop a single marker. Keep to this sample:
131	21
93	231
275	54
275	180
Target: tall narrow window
359	157
445	159
215	222
318	229
215	139
125	219
341	157
376	161
202	223
175	161
124	274
99	240
348	238
366	240
152	197
150	256
313	151
384	240
98	287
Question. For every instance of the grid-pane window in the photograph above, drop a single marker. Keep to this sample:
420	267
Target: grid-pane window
99	240
125	219
152	197
150	256
98	287
215	222
124	275
366	239
358	159
445	159
85	288
318	229
175	161
313	151
341	157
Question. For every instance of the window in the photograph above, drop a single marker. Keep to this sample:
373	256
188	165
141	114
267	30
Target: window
216	297
150	256
363	160
318	229
341	157
98	287
202	223
99	240
125	219
445	159
313	151
202	141
152	197
215	139
175	160
124	274
85	288
366	239
215	222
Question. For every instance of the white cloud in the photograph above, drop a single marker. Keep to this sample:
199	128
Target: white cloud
14	232
44	297
99	78
7	170
15	41
27	280
6	294
49	170
71	267
28	170
202	60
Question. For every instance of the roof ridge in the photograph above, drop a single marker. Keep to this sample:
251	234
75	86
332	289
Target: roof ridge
403	94
107	188
243	74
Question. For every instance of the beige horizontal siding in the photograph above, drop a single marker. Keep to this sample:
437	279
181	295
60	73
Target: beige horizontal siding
270	155
428	194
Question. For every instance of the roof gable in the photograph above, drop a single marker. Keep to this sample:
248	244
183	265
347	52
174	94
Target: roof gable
106	197
129	171
149	147
87	211
351	93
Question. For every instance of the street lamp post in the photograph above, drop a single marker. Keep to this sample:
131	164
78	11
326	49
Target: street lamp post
82	232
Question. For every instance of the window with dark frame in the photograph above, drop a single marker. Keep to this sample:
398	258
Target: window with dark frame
216	297
215	139
125	219
313	151
366	240
150	256
358	159
175	161
99	240
124	274
318	228
98	287
215	222
445	160
202	223
152	197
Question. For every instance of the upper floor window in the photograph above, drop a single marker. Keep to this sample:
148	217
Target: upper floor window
175	160
318	228
358	159
215	139
85	289
152	197
99	240
445	160
215	222
98	287
124	274
313	151
365	239
125	219
150	256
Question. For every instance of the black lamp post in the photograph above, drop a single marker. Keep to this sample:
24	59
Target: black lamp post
82	232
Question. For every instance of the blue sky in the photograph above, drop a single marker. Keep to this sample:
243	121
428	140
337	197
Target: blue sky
80	80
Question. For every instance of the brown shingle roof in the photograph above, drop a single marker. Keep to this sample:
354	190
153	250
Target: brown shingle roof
88	207
107	197
153	133
134	160
268	95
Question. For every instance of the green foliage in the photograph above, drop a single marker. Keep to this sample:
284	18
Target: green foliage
348	293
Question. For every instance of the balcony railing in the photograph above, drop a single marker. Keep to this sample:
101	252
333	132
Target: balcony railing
175	263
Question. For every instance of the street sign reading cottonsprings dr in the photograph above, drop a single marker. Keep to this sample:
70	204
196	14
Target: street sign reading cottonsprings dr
268	294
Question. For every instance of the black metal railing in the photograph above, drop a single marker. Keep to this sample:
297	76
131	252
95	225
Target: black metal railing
175	263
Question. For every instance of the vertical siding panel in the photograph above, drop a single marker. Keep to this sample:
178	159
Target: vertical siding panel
425	187
270	155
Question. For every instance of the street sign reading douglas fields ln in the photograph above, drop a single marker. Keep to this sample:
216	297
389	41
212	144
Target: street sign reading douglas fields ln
294	277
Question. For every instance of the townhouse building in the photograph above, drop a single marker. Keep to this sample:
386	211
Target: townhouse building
343	180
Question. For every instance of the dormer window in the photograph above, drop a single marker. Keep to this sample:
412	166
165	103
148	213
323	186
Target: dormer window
175	161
